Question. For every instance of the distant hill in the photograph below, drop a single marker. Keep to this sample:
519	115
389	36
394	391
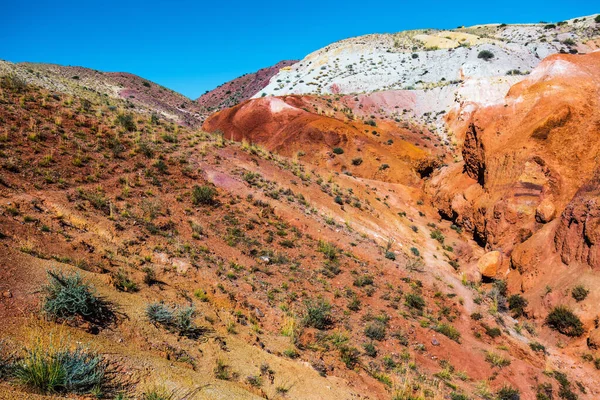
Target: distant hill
234	92
137	93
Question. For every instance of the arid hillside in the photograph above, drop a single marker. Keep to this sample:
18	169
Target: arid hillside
127	90
303	283
433	242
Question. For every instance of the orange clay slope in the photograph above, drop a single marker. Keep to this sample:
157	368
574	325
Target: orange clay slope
328	134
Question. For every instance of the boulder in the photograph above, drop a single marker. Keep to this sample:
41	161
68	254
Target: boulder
545	211
489	263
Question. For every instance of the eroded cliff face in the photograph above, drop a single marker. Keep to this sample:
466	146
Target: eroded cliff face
577	237
524	161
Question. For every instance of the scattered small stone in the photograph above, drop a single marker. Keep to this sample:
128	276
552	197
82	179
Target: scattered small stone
435	342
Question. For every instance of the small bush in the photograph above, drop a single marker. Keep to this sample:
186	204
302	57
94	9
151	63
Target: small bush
492	332
349	356
51	370
318	314
390	255
357	161
370	349
485	55
496	360
363	280
221	370
508	393
68	298
517	304
329	250
338	150
175	319
437	235
375	331
565	321
537	347
126	121
123	283
579	293
564	391
203	195
448	331
414	301
597	19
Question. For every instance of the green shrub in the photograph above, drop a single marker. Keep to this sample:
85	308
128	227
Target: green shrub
175	319
496	360
437	235
221	370
476	316
363	280
328	249
51	370
565	321
597	19
349	356
448	331
414	301
492	332
517	304
564	391
318	314
508	393
338	200
486	55
68	298
126	121
123	283
338	150
579	293
357	161
537	347
203	195
370	349
375	331
390	255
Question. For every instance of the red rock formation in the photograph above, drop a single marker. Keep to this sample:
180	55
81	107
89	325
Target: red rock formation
527	157
578	234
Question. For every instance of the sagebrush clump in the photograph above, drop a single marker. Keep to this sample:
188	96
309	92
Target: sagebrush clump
69	298
175	319
58	369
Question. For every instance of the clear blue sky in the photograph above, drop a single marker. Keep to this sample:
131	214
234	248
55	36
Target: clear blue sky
194	46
